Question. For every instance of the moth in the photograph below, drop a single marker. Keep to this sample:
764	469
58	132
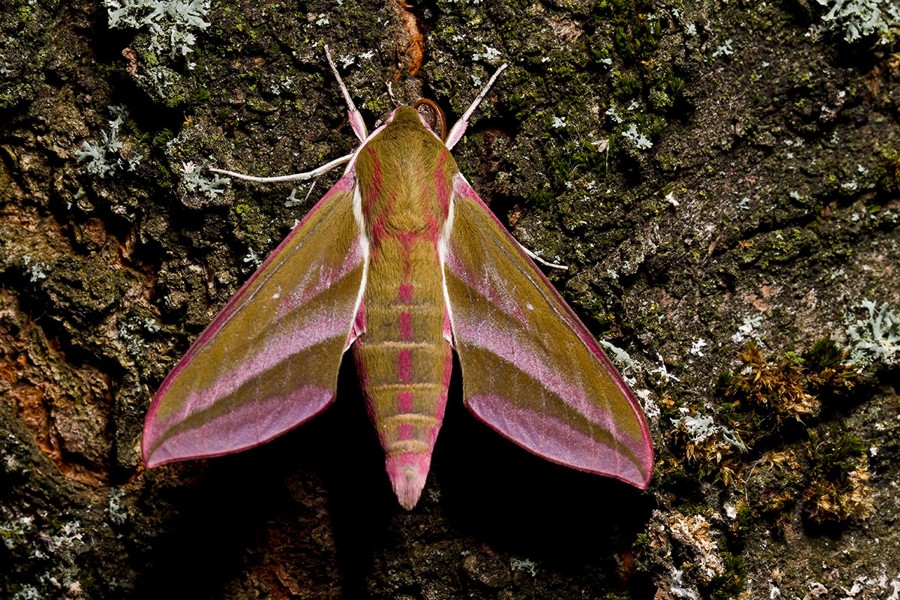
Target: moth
403	263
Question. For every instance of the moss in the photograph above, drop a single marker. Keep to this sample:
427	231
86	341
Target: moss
713	457
150	58
840	488
776	388
835	453
626	85
628	35
636	33
163	137
732	581
764	399
889	179
24	14
827	370
743	514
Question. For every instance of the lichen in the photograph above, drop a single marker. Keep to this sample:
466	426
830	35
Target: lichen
194	182
857	19
102	157
875	339
172	23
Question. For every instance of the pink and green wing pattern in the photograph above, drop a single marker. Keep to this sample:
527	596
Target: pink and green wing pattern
531	370
269	360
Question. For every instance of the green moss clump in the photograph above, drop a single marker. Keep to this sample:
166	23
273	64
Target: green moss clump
766	393
732	581
772	406
778	389
826	368
636	33
767	399
840	488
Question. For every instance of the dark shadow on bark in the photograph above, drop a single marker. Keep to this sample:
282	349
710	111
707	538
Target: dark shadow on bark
521	504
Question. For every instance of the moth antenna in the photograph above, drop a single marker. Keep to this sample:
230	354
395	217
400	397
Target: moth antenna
538	259
307	175
356	120
457	132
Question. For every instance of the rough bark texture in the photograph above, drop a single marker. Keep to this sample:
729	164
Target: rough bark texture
724	172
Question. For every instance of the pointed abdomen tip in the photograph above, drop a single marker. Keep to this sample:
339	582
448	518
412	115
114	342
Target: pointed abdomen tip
408	475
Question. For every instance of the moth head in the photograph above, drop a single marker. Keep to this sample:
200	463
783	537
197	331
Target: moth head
432	118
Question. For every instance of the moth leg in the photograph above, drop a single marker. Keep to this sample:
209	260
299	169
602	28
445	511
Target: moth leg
295	176
356	120
390	91
457	132
538	259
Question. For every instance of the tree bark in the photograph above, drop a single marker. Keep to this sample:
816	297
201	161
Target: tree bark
721	180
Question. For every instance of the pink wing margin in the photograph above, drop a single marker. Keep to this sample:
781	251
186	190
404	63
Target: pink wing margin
269	360
531	370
